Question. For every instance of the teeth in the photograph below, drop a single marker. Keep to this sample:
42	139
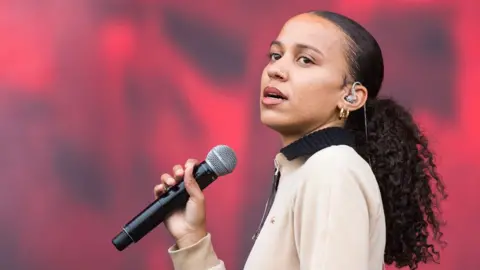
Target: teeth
274	96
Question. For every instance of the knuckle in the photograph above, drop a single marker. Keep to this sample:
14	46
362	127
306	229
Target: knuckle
178	173
157	188
191	161
165	177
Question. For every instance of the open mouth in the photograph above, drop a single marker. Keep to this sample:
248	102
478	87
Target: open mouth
271	92
275	96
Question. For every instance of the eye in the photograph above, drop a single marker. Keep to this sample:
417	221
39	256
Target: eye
305	60
274	56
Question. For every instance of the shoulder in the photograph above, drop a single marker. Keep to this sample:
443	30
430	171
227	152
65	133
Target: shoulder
339	159
340	168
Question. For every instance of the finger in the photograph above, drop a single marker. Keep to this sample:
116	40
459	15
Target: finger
178	172
167	179
191	162
159	189
191	184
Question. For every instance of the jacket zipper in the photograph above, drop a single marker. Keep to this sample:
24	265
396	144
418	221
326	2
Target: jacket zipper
271	198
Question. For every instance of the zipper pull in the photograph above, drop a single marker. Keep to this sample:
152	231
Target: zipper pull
276	175
277	167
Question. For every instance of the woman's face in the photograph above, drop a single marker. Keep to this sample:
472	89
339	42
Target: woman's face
308	66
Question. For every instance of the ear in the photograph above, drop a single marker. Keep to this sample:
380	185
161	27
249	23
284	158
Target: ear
354	98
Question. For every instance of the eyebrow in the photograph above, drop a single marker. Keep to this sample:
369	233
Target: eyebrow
298	45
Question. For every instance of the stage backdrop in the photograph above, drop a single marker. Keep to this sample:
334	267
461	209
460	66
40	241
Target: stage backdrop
99	97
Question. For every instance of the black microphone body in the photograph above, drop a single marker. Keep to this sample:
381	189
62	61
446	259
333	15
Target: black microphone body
154	214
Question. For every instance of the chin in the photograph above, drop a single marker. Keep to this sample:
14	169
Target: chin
282	124
275	122
268	117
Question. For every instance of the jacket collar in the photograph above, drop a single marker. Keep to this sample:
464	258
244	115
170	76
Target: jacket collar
295	154
316	141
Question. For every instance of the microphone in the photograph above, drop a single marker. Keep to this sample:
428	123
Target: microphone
221	160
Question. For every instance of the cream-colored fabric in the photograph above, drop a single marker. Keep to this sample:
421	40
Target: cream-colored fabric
327	215
198	256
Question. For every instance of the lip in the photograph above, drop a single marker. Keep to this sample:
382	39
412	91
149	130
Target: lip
273	91
269	101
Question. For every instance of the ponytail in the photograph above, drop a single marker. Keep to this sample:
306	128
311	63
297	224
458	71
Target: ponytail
398	153
411	188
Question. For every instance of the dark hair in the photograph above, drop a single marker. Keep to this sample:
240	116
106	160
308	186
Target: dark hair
398	153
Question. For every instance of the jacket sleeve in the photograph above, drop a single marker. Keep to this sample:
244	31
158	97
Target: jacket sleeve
199	256
331	221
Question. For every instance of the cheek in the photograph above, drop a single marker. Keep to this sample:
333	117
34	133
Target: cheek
317	99
265	78
312	101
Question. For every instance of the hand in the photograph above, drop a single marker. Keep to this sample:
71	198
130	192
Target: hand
187	225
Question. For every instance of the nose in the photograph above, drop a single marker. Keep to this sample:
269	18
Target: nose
276	72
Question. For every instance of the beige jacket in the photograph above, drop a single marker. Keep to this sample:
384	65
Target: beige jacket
327	215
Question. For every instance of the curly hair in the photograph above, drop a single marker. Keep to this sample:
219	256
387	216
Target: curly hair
398	153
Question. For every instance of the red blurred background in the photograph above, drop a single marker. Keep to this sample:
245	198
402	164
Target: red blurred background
99	97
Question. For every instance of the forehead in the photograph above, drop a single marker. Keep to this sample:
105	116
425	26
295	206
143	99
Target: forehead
314	31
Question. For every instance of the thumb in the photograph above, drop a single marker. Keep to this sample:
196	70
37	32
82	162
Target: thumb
191	184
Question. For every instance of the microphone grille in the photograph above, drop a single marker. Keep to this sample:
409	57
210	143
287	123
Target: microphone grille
222	160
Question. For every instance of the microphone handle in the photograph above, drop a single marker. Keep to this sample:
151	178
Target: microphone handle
155	213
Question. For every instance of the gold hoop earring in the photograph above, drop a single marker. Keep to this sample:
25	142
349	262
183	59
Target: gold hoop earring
344	113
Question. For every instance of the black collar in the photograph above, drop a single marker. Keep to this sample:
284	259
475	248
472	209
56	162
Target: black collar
318	140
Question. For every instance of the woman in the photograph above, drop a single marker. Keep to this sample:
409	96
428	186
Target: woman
355	183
